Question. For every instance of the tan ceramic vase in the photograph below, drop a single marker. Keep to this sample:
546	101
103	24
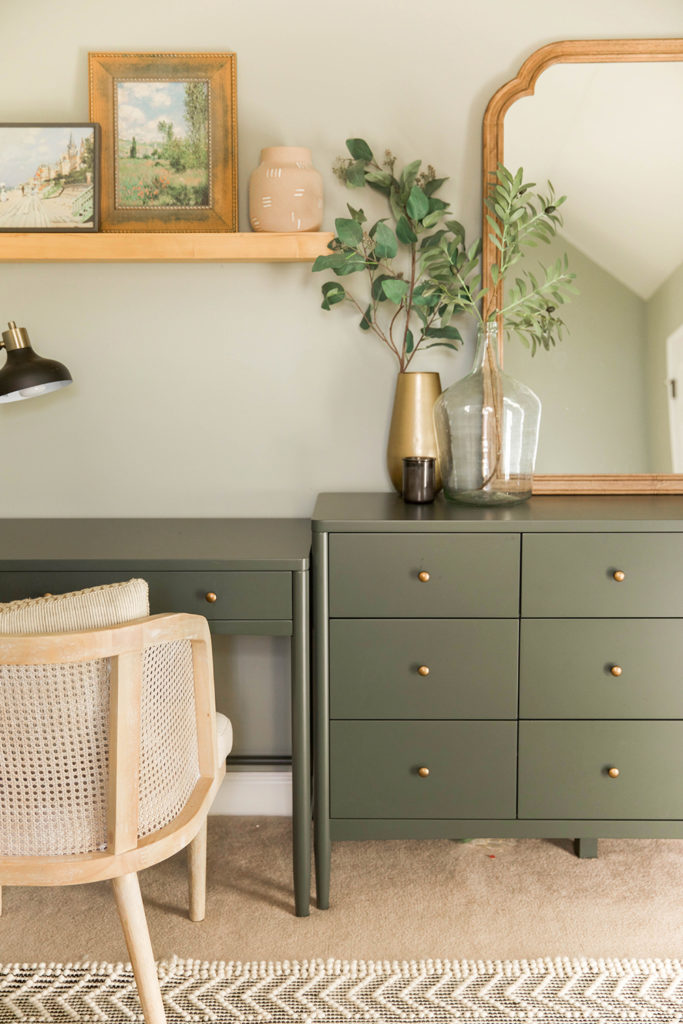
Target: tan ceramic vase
285	191
412	425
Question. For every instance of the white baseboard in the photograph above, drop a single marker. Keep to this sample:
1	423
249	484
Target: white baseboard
268	793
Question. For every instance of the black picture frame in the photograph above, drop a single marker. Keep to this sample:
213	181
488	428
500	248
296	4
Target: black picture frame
62	158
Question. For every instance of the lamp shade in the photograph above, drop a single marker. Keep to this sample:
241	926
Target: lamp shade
26	374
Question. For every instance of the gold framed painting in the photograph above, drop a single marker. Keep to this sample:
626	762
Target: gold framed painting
169	140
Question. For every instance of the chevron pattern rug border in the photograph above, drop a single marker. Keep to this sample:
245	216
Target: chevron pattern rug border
545	991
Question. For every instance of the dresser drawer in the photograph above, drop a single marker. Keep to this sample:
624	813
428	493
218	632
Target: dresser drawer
374	769
239	595
573	575
378	575
603	668
423	668
563	770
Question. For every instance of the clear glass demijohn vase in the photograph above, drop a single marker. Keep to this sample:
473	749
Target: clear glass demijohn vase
487	431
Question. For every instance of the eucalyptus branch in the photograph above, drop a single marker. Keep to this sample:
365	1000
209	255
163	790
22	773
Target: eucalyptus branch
389	254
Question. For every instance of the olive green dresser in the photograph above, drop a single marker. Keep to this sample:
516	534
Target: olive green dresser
497	672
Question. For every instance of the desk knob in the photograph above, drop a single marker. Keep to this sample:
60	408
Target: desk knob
423	772
211	597
616	670
618	575
613	773
423	577
423	670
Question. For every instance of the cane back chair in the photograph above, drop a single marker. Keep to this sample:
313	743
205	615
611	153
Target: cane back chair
109	762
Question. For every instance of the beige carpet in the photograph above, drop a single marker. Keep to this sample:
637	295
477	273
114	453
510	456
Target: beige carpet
506	899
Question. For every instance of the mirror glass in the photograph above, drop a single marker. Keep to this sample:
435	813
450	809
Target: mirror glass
608	136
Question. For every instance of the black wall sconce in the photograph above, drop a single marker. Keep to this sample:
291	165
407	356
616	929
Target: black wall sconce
26	374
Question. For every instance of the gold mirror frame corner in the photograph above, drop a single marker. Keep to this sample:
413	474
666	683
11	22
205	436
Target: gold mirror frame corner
570	51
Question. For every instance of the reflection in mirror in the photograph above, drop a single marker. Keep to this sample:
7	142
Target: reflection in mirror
608	136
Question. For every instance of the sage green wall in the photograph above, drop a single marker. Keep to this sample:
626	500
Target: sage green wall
592	384
664	316
224	389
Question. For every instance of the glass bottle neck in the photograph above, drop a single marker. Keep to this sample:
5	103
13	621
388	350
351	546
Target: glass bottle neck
487	346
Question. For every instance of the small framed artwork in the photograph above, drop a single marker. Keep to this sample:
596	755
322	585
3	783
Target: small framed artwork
169	140
49	177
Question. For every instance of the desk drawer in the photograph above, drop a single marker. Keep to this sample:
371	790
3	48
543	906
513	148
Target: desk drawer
573	575
374	769
563	770
469	668
239	595
602	668
377	575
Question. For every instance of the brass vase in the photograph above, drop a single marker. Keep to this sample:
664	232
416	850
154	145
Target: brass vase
412	424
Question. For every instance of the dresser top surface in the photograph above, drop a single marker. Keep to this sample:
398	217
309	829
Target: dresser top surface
375	513
236	544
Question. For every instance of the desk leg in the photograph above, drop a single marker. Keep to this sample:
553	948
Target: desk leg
301	744
323	844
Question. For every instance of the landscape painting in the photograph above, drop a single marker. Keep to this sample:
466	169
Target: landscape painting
48	177
162	145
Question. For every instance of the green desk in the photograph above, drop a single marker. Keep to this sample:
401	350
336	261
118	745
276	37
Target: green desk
247	576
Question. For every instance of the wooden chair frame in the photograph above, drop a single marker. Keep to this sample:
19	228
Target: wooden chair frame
126	854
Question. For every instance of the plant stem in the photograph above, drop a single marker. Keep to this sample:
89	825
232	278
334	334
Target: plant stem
374	328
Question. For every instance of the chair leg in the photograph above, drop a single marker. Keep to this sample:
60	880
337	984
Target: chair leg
134	924
196	866
0	901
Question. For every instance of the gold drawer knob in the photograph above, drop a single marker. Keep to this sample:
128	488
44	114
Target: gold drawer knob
613	773
423	772
618	575
423	577
616	670
423	670
211	597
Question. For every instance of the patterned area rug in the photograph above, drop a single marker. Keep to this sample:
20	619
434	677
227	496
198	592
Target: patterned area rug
339	992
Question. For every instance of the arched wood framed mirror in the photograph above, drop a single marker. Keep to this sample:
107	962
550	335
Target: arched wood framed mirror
602	120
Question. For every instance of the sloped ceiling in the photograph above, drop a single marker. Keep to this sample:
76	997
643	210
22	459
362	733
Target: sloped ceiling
610	138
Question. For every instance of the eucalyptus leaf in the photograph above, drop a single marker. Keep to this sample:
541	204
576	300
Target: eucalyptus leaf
332	262
357	215
410	341
352	265
377	291
442	344
355	174
432	219
404	231
386	245
430	187
333	292
359	149
452	333
418	204
349	231
395	289
409	174
366	319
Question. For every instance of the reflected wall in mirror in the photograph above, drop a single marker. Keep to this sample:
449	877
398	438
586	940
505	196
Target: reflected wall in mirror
601	121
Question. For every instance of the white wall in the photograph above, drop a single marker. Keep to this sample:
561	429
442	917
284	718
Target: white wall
664	316
224	389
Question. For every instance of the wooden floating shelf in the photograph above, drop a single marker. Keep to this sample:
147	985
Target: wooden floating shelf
163	247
